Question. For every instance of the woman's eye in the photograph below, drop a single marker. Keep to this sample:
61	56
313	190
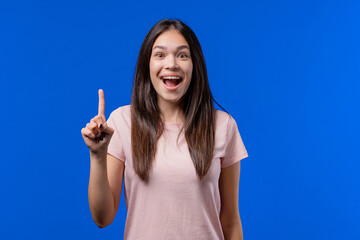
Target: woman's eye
183	55
159	55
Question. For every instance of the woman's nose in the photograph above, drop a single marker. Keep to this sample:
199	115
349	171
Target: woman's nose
171	62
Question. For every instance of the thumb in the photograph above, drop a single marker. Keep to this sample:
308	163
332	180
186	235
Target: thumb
105	128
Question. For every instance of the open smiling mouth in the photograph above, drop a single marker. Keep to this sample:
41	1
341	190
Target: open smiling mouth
171	82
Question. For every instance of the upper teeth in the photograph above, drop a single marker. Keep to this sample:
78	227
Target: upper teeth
171	77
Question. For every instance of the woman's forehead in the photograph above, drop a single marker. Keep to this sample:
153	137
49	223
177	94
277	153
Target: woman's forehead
171	39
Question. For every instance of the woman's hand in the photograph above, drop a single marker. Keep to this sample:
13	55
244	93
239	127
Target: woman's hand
97	134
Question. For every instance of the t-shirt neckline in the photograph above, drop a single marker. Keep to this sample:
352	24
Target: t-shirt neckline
172	125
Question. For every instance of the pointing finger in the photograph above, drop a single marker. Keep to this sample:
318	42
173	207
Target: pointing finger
101	104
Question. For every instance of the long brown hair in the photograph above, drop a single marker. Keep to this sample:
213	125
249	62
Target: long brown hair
197	106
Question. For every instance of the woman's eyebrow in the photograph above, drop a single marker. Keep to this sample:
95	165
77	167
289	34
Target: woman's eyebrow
164	48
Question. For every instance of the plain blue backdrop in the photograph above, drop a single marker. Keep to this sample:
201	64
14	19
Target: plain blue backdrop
287	71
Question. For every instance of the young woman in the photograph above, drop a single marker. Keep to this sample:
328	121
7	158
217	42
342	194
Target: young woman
180	158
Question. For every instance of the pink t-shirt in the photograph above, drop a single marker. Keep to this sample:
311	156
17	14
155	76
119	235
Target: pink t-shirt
174	204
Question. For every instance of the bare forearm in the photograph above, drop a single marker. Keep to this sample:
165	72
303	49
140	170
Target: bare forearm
233	232
101	200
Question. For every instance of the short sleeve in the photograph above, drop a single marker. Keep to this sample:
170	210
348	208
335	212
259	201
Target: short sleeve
235	149
115	147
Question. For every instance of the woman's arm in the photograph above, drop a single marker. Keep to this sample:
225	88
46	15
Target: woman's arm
106	172
106	177
229	192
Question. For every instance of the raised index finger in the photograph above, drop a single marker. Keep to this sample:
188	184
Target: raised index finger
101	103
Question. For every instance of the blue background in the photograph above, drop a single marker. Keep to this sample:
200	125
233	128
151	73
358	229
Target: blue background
287	71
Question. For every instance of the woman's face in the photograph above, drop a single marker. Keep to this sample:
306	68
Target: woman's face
170	67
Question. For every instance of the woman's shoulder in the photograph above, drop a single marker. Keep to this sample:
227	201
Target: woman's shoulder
122	111
223	117
120	117
224	121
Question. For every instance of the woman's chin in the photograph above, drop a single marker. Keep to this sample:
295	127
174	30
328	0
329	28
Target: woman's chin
169	99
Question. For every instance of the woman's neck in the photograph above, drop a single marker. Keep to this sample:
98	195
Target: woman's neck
171	112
